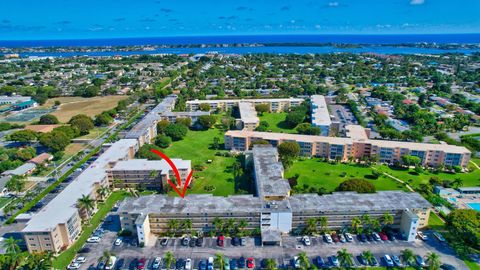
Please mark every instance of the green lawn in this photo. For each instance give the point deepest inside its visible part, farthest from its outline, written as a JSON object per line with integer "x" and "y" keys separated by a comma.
{"x": 316, "y": 173}
{"x": 469, "y": 179}
{"x": 197, "y": 147}
{"x": 276, "y": 122}
{"x": 62, "y": 261}
{"x": 434, "y": 222}
{"x": 4, "y": 201}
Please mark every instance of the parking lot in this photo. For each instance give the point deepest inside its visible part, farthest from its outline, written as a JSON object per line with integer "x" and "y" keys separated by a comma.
{"x": 343, "y": 115}
{"x": 128, "y": 254}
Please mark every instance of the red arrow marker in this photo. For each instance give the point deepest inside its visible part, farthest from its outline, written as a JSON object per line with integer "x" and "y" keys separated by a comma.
{"x": 177, "y": 174}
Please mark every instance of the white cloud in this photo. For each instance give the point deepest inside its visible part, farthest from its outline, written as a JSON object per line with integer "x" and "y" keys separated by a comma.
{"x": 333, "y": 4}
{"x": 317, "y": 26}
{"x": 417, "y": 2}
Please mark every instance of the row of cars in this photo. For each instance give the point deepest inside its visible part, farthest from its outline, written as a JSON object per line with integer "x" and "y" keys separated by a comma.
{"x": 198, "y": 241}
{"x": 347, "y": 237}
{"x": 186, "y": 264}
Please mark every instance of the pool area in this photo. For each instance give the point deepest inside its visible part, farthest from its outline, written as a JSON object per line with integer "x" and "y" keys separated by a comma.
{"x": 453, "y": 200}
{"x": 475, "y": 206}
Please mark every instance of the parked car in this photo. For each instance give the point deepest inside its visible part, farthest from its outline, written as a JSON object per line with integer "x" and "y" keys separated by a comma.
{"x": 220, "y": 240}
{"x": 362, "y": 237}
{"x": 342, "y": 238}
{"x": 369, "y": 237}
{"x": 383, "y": 236}
{"x": 210, "y": 263}
{"x": 391, "y": 236}
{"x": 118, "y": 242}
{"x": 188, "y": 264}
{"x": 376, "y": 237}
{"x": 251, "y": 263}
{"x": 233, "y": 264}
{"x": 447, "y": 267}
{"x": 335, "y": 238}
{"x": 80, "y": 259}
{"x": 296, "y": 262}
{"x": 235, "y": 241}
{"x": 328, "y": 238}
{"x": 185, "y": 241}
{"x": 202, "y": 265}
{"x": 362, "y": 260}
{"x": 388, "y": 261}
{"x": 111, "y": 263}
{"x": 422, "y": 236}
{"x": 306, "y": 240}
{"x": 180, "y": 264}
{"x": 374, "y": 262}
{"x": 334, "y": 261}
{"x": 74, "y": 265}
{"x": 243, "y": 241}
{"x": 141, "y": 264}
{"x": 319, "y": 262}
{"x": 199, "y": 242}
{"x": 157, "y": 263}
{"x": 241, "y": 262}
{"x": 193, "y": 242}
{"x": 349, "y": 237}
{"x": 93, "y": 239}
{"x": 84, "y": 250}
{"x": 226, "y": 264}
{"x": 101, "y": 264}
{"x": 439, "y": 236}
{"x": 164, "y": 242}
{"x": 397, "y": 261}
{"x": 420, "y": 261}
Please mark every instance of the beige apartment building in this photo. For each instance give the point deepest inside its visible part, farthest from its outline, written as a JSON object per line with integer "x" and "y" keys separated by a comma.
{"x": 276, "y": 104}
{"x": 357, "y": 146}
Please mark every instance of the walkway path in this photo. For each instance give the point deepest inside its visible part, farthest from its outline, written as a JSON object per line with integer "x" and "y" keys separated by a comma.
{"x": 475, "y": 164}
{"x": 400, "y": 181}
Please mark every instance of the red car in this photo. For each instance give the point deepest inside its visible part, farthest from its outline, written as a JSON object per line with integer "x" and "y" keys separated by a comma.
{"x": 335, "y": 238}
{"x": 250, "y": 263}
{"x": 220, "y": 240}
{"x": 383, "y": 236}
{"x": 141, "y": 264}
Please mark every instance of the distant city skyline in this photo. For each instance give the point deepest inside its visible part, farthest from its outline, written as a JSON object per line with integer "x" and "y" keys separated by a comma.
{"x": 55, "y": 19}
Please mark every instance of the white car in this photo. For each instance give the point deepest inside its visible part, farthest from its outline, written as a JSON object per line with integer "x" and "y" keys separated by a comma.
{"x": 118, "y": 242}
{"x": 188, "y": 264}
{"x": 306, "y": 240}
{"x": 296, "y": 262}
{"x": 80, "y": 259}
{"x": 74, "y": 265}
{"x": 157, "y": 263}
{"x": 349, "y": 237}
{"x": 328, "y": 238}
{"x": 93, "y": 239}
{"x": 422, "y": 236}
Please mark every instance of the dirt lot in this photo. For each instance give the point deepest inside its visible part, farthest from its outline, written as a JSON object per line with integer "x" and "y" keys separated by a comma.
{"x": 71, "y": 106}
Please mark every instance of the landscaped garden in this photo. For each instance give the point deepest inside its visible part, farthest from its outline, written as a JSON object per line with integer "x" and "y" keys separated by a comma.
{"x": 276, "y": 122}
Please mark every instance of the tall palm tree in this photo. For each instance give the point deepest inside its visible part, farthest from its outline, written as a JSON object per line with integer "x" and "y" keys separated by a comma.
{"x": 102, "y": 192}
{"x": 169, "y": 259}
{"x": 241, "y": 225}
{"x": 218, "y": 224}
{"x": 311, "y": 226}
{"x": 433, "y": 260}
{"x": 85, "y": 203}
{"x": 356, "y": 224}
{"x": 323, "y": 222}
{"x": 303, "y": 259}
{"x": 367, "y": 254}
{"x": 11, "y": 245}
{"x": 229, "y": 226}
{"x": 173, "y": 225}
{"x": 366, "y": 221}
{"x": 375, "y": 224}
{"x": 219, "y": 260}
{"x": 14, "y": 255}
{"x": 39, "y": 261}
{"x": 271, "y": 264}
{"x": 187, "y": 225}
{"x": 407, "y": 255}
{"x": 387, "y": 219}
{"x": 344, "y": 258}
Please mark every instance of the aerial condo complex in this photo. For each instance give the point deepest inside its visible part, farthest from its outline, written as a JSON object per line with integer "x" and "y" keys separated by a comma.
{"x": 244, "y": 135}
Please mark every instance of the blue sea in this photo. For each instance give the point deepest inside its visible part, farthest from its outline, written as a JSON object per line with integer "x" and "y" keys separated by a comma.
{"x": 369, "y": 43}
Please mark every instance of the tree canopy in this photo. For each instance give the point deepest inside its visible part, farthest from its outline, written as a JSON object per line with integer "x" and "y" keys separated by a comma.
{"x": 358, "y": 185}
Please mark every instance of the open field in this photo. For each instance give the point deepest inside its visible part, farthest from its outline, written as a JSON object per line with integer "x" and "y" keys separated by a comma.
{"x": 196, "y": 146}
{"x": 319, "y": 174}
{"x": 94, "y": 133}
{"x": 276, "y": 122}
{"x": 71, "y": 106}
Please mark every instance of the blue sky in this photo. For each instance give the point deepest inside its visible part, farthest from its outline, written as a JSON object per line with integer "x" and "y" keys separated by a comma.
{"x": 65, "y": 19}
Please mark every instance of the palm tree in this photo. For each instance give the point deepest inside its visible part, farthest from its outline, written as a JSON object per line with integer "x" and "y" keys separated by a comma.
{"x": 311, "y": 226}
{"x": 387, "y": 219}
{"x": 102, "y": 192}
{"x": 14, "y": 255}
{"x": 220, "y": 260}
{"x": 433, "y": 260}
{"x": 218, "y": 224}
{"x": 39, "y": 261}
{"x": 375, "y": 224}
{"x": 303, "y": 259}
{"x": 323, "y": 222}
{"x": 169, "y": 259}
{"x": 344, "y": 258}
{"x": 367, "y": 254}
{"x": 85, "y": 203}
{"x": 270, "y": 264}
{"x": 241, "y": 225}
{"x": 407, "y": 255}
{"x": 230, "y": 226}
{"x": 105, "y": 256}
{"x": 173, "y": 226}
{"x": 187, "y": 225}
{"x": 356, "y": 224}
{"x": 11, "y": 245}
{"x": 458, "y": 182}
{"x": 366, "y": 221}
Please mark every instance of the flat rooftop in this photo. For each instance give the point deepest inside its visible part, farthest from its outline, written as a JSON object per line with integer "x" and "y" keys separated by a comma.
{"x": 320, "y": 114}
{"x": 352, "y": 201}
{"x": 64, "y": 205}
{"x": 269, "y": 172}
{"x": 193, "y": 203}
{"x": 150, "y": 165}
{"x": 185, "y": 114}
{"x": 342, "y": 140}
{"x": 248, "y": 114}
{"x": 356, "y": 132}
{"x": 258, "y": 100}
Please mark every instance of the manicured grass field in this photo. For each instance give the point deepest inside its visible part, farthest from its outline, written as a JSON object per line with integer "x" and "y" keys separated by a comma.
{"x": 276, "y": 122}
{"x": 316, "y": 173}
{"x": 197, "y": 147}
{"x": 434, "y": 222}
{"x": 71, "y": 106}
{"x": 62, "y": 261}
